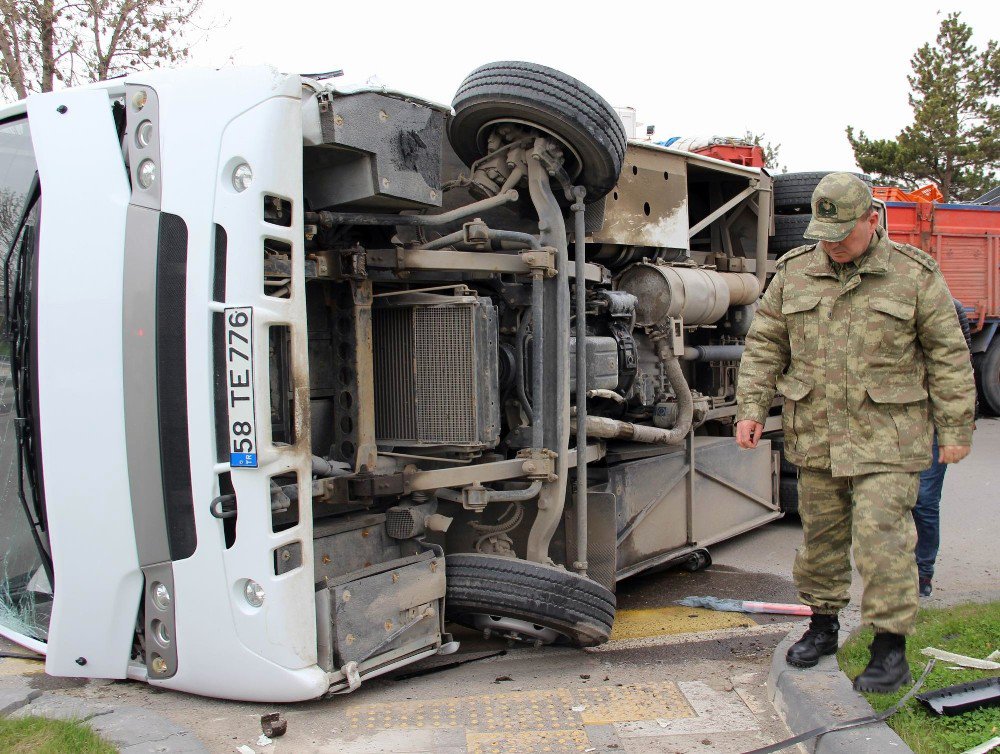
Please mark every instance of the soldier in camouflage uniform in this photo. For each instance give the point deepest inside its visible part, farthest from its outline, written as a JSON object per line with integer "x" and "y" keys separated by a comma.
{"x": 860, "y": 336}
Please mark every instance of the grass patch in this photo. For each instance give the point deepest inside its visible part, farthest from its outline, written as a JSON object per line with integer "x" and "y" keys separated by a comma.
{"x": 972, "y": 630}
{"x": 40, "y": 735}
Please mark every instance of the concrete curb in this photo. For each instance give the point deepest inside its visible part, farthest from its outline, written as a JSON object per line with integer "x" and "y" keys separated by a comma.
{"x": 823, "y": 695}
{"x": 132, "y": 730}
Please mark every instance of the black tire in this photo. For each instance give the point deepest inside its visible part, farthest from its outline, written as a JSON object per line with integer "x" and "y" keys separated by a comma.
{"x": 512, "y": 90}
{"x": 988, "y": 377}
{"x": 963, "y": 322}
{"x": 581, "y": 610}
{"x": 788, "y": 230}
{"x": 793, "y": 191}
{"x": 699, "y": 560}
{"x": 788, "y": 492}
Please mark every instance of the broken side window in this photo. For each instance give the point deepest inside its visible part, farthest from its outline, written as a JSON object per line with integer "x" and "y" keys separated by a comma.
{"x": 25, "y": 584}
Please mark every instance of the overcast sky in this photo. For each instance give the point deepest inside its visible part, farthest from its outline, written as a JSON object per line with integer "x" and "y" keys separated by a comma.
{"x": 798, "y": 72}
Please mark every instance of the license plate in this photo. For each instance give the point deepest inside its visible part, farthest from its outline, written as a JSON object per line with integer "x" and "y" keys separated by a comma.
{"x": 239, "y": 387}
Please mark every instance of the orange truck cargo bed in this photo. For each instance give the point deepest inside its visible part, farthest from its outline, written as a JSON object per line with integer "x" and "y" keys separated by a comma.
{"x": 965, "y": 241}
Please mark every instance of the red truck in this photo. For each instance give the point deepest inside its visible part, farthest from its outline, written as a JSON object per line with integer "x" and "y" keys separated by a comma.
{"x": 965, "y": 241}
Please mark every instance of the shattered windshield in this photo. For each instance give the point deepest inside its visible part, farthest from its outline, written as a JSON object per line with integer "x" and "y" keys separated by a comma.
{"x": 25, "y": 589}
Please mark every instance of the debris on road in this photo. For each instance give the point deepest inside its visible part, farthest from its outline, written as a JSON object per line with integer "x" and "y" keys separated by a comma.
{"x": 963, "y": 660}
{"x": 745, "y": 606}
{"x": 264, "y": 740}
{"x": 244, "y": 749}
{"x": 963, "y": 697}
{"x": 985, "y": 747}
{"x": 502, "y": 678}
{"x": 273, "y": 725}
{"x": 465, "y": 659}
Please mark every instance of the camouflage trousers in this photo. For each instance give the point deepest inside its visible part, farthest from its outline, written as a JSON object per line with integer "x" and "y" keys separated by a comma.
{"x": 873, "y": 511}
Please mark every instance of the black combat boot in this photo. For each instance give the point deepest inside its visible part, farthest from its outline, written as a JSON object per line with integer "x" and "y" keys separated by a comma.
{"x": 888, "y": 669}
{"x": 818, "y": 640}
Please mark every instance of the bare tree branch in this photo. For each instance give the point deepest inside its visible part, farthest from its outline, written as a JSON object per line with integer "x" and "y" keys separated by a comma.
{"x": 50, "y": 43}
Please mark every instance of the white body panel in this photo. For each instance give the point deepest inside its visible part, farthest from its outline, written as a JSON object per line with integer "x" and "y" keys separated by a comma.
{"x": 209, "y": 123}
{"x": 81, "y": 414}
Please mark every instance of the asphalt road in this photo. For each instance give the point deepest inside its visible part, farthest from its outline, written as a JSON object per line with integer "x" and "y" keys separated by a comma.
{"x": 968, "y": 565}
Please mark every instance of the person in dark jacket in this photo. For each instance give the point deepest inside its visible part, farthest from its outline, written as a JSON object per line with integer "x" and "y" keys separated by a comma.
{"x": 927, "y": 511}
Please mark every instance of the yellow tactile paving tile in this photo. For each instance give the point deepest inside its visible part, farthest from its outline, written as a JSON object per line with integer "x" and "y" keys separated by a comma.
{"x": 567, "y": 741}
{"x": 520, "y": 710}
{"x": 622, "y": 704}
{"x": 674, "y": 619}
{"x": 525, "y": 711}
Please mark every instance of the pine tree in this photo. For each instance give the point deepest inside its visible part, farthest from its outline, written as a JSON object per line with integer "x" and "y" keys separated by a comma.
{"x": 954, "y": 139}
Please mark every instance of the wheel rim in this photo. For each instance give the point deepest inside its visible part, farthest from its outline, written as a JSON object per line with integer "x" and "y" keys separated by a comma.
{"x": 516, "y": 630}
{"x": 484, "y": 131}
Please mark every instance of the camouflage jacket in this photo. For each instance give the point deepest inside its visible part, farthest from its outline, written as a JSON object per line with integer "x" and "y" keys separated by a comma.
{"x": 868, "y": 366}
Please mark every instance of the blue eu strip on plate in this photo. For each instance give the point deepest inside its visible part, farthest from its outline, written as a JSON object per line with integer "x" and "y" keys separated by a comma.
{"x": 245, "y": 460}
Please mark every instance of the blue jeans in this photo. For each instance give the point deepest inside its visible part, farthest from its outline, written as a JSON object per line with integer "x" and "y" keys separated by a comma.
{"x": 926, "y": 514}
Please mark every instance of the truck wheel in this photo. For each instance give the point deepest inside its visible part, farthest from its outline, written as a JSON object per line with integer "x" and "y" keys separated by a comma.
{"x": 698, "y": 560}
{"x": 988, "y": 377}
{"x": 788, "y": 492}
{"x": 788, "y": 230}
{"x": 793, "y": 191}
{"x": 546, "y": 98}
{"x": 527, "y": 601}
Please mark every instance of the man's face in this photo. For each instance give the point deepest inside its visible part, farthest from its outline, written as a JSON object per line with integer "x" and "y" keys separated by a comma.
{"x": 856, "y": 242}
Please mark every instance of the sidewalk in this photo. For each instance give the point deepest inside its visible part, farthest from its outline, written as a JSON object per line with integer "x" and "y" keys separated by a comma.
{"x": 133, "y": 730}
{"x": 676, "y": 692}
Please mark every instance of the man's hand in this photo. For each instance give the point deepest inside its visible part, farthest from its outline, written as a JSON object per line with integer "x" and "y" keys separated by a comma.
{"x": 952, "y": 453}
{"x": 748, "y": 433}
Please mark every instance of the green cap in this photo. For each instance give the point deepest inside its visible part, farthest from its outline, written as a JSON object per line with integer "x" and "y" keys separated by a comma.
{"x": 838, "y": 202}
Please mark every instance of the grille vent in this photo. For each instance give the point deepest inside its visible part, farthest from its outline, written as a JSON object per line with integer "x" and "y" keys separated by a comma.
{"x": 403, "y": 523}
{"x": 436, "y": 372}
{"x": 395, "y": 409}
{"x": 445, "y": 374}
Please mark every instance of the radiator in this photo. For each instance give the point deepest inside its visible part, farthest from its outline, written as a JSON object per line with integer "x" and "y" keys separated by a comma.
{"x": 436, "y": 374}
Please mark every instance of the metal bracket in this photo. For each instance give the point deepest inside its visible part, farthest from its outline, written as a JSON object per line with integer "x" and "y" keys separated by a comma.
{"x": 674, "y": 332}
{"x": 538, "y": 463}
{"x": 352, "y": 676}
{"x": 341, "y": 264}
{"x": 343, "y": 490}
{"x": 474, "y": 497}
{"x": 477, "y": 233}
{"x": 543, "y": 260}
{"x": 719, "y": 212}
